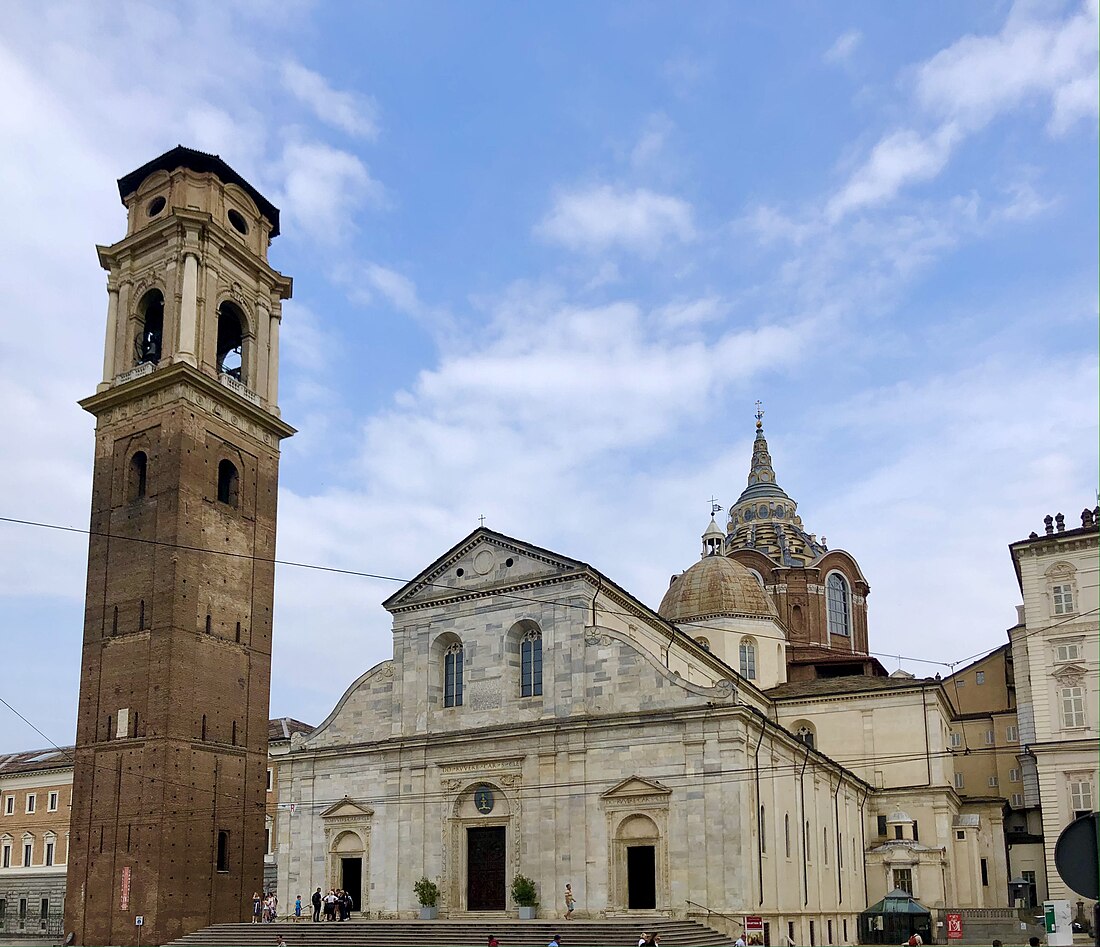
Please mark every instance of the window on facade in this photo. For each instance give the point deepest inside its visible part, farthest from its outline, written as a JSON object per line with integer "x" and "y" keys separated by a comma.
{"x": 270, "y": 779}
{"x": 1080, "y": 796}
{"x": 28, "y": 848}
{"x": 990, "y": 737}
{"x": 881, "y": 825}
{"x": 747, "y": 655}
{"x": 956, "y": 739}
{"x": 51, "y": 802}
{"x": 151, "y": 335}
{"x": 1068, "y": 652}
{"x": 1013, "y": 775}
{"x": 903, "y": 878}
{"x": 228, "y": 483}
{"x": 267, "y": 840}
{"x": 961, "y": 836}
{"x": 899, "y": 833}
{"x": 231, "y": 336}
{"x": 703, "y": 643}
{"x": 985, "y": 873}
{"x": 1063, "y": 599}
{"x": 32, "y": 799}
{"x": 762, "y": 827}
{"x": 530, "y": 662}
{"x": 1073, "y": 706}
{"x": 1017, "y": 800}
{"x": 787, "y": 834}
{"x": 3, "y": 908}
{"x": 5, "y": 855}
{"x": 806, "y": 735}
{"x": 22, "y": 909}
{"x": 44, "y": 906}
{"x": 136, "y": 479}
{"x": 839, "y": 605}
{"x": 807, "y": 845}
{"x": 1012, "y": 734}
{"x": 979, "y": 677}
{"x": 223, "y": 850}
{"x": 958, "y": 780}
{"x": 992, "y": 781}
{"x": 49, "y": 853}
{"x": 830, "y": 923}
{"x": 9, "y": 805}
{"x": 452, "y": 676}
{"x": 825, "y": 846}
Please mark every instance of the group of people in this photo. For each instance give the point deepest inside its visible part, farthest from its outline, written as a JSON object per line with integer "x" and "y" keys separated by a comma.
{"x": 649, "y": 939}
{"x": 337, "y": 905}
{"x": 265, "y": 907}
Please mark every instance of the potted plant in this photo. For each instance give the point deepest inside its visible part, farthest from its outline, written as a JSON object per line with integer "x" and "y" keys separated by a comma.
{"x": 525, "y": 895}
{"x": 427, "y": 893}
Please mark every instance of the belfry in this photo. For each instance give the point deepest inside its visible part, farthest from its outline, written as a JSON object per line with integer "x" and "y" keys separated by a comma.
{"x": 171, "y": 753}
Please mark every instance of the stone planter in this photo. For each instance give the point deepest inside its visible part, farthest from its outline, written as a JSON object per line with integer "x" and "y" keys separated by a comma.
{"x": 428, "y": 912}
{"x": 528, "y": 912}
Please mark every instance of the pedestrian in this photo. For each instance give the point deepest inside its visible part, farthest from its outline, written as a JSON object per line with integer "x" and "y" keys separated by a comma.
{"x": 316, "y": 902}
{"x": 330, "y": 905}
{"x": 643, "y": 939}
{"x": 570, "y": 902}
{"x": 740, "y": 942}
{"x": 555, "y": 941}
{"x": 279, "y": 941}
{"x": 915, "y": 940}
{"x": 298, "y": 908}
{"x": 493, "y": 942}
{"x": 257, "y": 904}
{"x": 1033, "y": 942}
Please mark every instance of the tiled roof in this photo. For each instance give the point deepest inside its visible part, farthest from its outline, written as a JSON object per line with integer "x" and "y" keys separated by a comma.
{"x": 853, "y": 684}
{"x": 281, "y": 728}
{"x": 32, "y": 761}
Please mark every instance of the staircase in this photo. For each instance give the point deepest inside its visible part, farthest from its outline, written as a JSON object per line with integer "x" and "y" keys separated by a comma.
{"x": 473, "y": 933}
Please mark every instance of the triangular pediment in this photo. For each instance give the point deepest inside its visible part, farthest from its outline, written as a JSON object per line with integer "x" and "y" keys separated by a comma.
{"x": 347, "y": 808}
{"x": 483, "y": 561}
{"x": 1070, "y": 675}
{"x": 636, "y": 786}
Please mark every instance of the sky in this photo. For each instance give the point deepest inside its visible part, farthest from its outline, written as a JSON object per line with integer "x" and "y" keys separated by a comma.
{"x": 546, "y": 258}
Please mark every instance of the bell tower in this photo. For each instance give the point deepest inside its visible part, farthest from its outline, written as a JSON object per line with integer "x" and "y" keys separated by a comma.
{"x": 171, "y": 749}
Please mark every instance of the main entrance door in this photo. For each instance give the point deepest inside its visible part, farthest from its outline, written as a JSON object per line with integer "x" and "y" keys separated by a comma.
{"x": 641, "y": 877}
{"x": 485, "y": 869}
{"x": 351, "y": 880}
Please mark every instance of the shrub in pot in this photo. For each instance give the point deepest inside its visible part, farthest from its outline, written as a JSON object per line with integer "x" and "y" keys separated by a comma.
{"x": 427, "y": 893}
{"x": 525, "y": 895}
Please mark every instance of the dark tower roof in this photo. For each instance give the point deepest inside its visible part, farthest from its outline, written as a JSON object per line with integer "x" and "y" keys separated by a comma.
{"x": 200, "y": 161}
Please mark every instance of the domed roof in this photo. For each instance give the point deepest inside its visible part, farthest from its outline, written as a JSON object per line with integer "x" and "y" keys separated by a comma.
{"x": 716, "y": 585}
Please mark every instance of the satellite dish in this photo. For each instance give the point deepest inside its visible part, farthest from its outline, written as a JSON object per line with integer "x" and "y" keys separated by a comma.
{"x": 1075, "y": 856}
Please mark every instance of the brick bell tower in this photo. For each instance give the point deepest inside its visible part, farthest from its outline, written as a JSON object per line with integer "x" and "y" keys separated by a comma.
{"x": 171, "y": 748}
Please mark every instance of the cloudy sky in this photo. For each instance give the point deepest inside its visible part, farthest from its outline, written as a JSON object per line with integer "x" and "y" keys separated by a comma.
{"x": 546, "y": 257}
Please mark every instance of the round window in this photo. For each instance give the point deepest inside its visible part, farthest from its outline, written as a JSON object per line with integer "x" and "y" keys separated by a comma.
{"x": 156, "y": 205}
{"x": 238, "y": 221}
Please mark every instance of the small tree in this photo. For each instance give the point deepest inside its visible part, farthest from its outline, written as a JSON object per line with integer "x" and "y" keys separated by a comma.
{"x": 524, "y": 893}
{"x": 427, "y": 892}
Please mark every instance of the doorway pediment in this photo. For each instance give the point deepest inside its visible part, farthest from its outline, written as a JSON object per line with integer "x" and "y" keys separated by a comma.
{"x": 634, "y": 787}
{"x": 347, "y": 808}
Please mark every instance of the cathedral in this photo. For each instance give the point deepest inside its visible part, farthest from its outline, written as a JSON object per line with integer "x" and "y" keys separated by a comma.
{"x": 736, "y": 751}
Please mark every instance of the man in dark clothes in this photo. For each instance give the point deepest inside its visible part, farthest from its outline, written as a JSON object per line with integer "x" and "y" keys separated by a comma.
{"x": 316, "y": 900}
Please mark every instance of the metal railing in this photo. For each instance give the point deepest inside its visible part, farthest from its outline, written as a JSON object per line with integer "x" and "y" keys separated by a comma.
{"x": 46, "y": 928}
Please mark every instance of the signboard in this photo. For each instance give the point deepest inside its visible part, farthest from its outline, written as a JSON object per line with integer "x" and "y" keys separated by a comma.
{"x": 954, "y": 926}
{"x": 754, "y": 924}
{"x": 1075, "y": 856}
{"x": 124, "y": 891}
{"x": 139, "y": 921}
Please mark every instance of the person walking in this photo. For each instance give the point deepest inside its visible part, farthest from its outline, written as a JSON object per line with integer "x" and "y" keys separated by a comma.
{"x": 316, "y": 902}
{"x": 555, "y": 941}
{"x": 740, "y": 942}
{"x": 298, "y": 908}
{"x": 257, "y": 904}
{"x": 570, "y": 902}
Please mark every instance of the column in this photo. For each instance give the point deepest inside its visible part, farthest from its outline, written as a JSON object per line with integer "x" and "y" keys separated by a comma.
{"x": 273, "y": 364}
{"x": 189, "y": 309}
{"x": 111, "y": 340}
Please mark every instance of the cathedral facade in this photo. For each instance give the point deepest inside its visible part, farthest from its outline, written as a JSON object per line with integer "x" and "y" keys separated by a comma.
{"x": 717, "y": 755}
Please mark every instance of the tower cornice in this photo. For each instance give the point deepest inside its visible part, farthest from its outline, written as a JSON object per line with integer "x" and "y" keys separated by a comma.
{"x": 182, "y": 375}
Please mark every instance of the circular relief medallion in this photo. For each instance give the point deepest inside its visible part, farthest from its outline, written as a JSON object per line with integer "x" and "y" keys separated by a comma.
{"x": 483, "y": 800}
{"x": 483, "y": 561}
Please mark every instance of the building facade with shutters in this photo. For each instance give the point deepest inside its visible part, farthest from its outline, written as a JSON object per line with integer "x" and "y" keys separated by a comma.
{"x": 1056, "y": 655}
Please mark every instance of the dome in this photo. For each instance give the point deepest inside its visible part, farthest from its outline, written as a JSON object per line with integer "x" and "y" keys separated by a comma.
{"x": 716, "y": 585}
{"x": 899, "y": 817}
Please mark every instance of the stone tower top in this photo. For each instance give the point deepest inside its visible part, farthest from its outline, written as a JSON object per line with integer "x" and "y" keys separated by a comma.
{"x": 190, "y": 282}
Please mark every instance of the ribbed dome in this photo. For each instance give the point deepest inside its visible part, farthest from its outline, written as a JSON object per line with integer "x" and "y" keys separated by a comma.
{"x": 716, "y": 585}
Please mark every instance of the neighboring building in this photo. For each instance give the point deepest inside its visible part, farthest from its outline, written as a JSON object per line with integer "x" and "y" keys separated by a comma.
{"x": 985, "y": 741}
{"x": 35, "y": 799}
{"x": 1057, "y": 670}
{"x": 537, "y": 718}
{"x": 171, "y": 743}
{"x": 39, "y": 785}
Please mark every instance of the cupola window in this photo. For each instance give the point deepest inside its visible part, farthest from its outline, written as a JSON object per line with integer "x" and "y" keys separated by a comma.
{"x": 747, "y": 655}
{"x": 839, "y": 605}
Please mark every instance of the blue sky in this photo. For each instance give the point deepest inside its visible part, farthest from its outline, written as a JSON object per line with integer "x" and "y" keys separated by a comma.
{"x": 546, "y": 258}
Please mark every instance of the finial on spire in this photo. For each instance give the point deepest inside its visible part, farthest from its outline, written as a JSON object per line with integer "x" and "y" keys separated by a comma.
{"x": 481, "y": 520}
{"x": 759, "y": 414}
{"x": 715, "y": 506}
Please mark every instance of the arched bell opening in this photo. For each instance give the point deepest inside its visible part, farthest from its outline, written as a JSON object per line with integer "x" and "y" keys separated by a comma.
{"x": 149, "y": 344}
{"x": 232, "y": 351}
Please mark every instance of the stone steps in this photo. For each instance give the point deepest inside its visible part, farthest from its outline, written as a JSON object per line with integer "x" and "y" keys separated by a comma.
{"x": 446, "y": 933}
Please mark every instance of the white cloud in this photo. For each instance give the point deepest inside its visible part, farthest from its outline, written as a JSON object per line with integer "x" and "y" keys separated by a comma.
{"x": 844, "y": 46}
{"x": 323, "y": 187}
{"x": 651, "y": 142}
{"x": 602, "y": 217}
{"x": 900, "y": 158}
{"x": 354, "y": 114}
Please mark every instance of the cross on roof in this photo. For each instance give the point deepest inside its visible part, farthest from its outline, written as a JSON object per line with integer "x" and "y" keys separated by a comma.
{"x": 481, "y": 519}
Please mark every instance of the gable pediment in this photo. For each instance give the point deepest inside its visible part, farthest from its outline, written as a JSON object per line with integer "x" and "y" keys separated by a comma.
{"x": 1071, "y": 675}
{"x": 482, "y": 562}
{"x": 347, "y": 808}
{"x": 635, "y": 786}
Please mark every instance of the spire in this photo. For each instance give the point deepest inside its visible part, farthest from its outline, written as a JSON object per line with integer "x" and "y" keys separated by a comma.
{"x": 761, "y": 473}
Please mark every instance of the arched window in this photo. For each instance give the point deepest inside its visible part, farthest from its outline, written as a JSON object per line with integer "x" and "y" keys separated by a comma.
{"x": 747, "y": 654}
{"x": 150, "y": 338}
{"x": 452, "y": 676}
{"x": 231, "y": 341}
{"x": 806, "y": 734}
{"x": 839, "y": 605}
{"x": 530, "y": 664}
{"x": 228, "y": 483}
{"x": 136, "y": 481}
{"x": 703, "y": 643}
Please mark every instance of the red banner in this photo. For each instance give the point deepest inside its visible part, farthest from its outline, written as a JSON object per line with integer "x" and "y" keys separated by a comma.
{"x": 954, "y": 926}
{"x": 124, "y": 900}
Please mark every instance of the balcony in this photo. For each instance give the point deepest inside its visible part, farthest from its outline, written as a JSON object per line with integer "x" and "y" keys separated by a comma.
{"x": 239, "y": 388}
